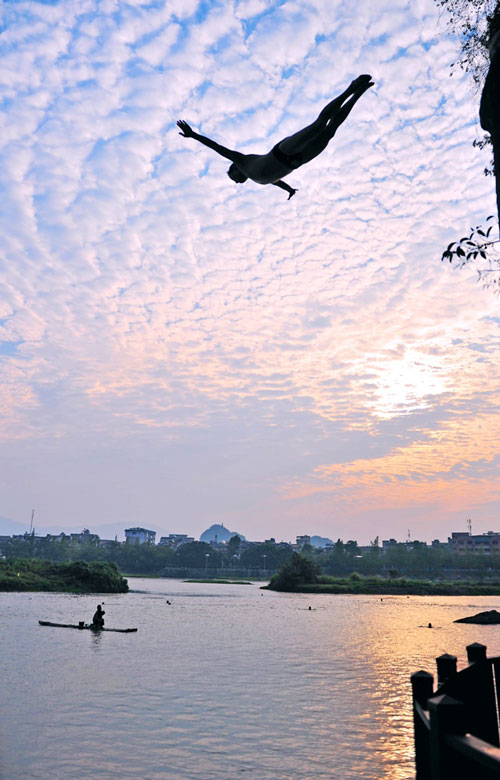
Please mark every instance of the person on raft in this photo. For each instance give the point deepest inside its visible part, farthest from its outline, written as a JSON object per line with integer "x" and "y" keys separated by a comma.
{"x": 98, "y": 619}
{"x": 293, "y": 151}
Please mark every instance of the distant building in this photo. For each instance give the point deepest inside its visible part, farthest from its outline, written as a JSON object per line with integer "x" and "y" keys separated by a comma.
{"x": 175, "y": 540}
{"x": 108, "y": 542}
{"x": 388, "y": 544}
{"x": 141, "y": 535}
{"x": 27, "y": 536}
{"x": 84, "y": 537}
{"x": 485, "y": 544}
{"x": 322, "y": 542}
{"x": 300, "y": 541}
{"x": 4, "y": 540}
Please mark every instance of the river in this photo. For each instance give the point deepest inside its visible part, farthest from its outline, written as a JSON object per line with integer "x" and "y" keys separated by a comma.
{"x": 225, "y": 682}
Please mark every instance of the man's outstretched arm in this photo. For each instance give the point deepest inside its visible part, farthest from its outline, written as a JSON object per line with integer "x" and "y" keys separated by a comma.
{"x": 188, "y": 132}
{"x": 284, "y": 186}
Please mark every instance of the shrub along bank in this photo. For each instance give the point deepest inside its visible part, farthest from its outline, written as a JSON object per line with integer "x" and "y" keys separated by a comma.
{"x": 75, "y": 577}
{"x": 398, "y": 586}
{"x": 300, "y": 575}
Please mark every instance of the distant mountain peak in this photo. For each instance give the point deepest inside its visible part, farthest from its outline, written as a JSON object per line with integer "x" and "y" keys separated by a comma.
{"x": 218, "y": 532}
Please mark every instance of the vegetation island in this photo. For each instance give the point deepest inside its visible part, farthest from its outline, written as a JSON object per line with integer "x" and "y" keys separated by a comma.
{"x": 302, "y": 575}
{"x": 75, "y": 577}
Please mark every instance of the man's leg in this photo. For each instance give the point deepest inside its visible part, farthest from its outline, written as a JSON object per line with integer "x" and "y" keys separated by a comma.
{"x": 334, "y": 107}
{"x": 336, "y": 120}
{"x": 311, "y": 141}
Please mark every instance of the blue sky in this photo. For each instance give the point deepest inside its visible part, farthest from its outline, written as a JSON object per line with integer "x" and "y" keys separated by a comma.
{"x": 178, "y": 350}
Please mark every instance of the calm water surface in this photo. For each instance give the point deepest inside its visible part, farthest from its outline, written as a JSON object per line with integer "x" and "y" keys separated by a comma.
{"x": 227, "y": 682}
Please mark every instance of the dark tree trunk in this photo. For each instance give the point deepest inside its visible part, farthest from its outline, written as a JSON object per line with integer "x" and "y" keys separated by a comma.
{"x": 489, "y": 112}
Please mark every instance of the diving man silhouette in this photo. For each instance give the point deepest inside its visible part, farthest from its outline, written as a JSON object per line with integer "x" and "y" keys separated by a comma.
{"x": 293, "y": 151}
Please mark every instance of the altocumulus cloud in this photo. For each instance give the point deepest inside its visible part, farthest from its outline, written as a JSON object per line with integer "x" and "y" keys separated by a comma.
{"x": 271, "y": 364}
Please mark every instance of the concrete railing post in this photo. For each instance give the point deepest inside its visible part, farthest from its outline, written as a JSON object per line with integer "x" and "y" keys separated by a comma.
{"x": 476, "y": 652}
{"x": 447, "y": 717}
{"x": 446, "y": 667}
{"x": 422, "y": 684}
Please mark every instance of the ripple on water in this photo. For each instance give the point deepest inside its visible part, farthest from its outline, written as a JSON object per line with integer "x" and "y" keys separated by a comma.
{"x": 225, "y": 682}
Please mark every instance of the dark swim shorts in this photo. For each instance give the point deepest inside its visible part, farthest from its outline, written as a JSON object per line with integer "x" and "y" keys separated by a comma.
{"x": 291, "y": 161}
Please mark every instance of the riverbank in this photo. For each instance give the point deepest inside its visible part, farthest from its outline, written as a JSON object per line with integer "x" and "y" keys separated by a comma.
{"x": 400, "y": 586}
{"x": 221, "y": 582}
{"x": 76, "y": 577}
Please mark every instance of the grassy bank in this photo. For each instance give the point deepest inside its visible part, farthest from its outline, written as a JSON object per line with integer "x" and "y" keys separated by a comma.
{"x": 357, "y": 584}
{"x": 142, "y": 576}
{"x": 76, "y": 577}
{"x": 222, "y": 582}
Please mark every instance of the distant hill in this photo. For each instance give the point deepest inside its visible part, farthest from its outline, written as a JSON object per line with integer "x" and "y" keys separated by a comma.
{"x": 105, "y": 531}
{"x": 9, "y": 527}
{"x": 320, "y": 541}
{"x": 219, "y": 533}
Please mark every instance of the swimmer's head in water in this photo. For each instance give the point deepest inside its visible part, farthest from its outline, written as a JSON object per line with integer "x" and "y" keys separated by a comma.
{"x": 235, "y": 174}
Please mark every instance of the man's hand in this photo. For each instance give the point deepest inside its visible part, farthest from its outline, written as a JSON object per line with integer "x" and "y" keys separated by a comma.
{"x": 284, "y": 186}
{"x": 185, "y": 129}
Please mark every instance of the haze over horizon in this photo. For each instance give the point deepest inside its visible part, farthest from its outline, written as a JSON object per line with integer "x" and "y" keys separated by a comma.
{"x": 177, "y": 350}
{"x": 112, "y": 530}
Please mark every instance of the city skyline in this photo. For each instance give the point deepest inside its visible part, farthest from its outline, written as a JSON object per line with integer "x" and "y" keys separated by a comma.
{"x": 175, "y": 345}
{"x": 115, "y": 530}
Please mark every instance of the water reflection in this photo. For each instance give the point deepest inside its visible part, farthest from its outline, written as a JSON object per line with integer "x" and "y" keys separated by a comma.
{"x": 224, "y": 681}
{"x": 97, "y": 637}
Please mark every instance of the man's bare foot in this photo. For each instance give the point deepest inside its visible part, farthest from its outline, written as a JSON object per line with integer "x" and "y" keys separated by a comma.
{"x": 361, "y": 80}
{"x": 363, "y": 86}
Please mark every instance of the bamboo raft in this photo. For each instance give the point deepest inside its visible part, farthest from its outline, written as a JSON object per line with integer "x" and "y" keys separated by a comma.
{"x": 81, "y": 626}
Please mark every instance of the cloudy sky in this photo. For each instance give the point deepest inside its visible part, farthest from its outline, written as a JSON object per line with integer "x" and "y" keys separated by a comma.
{"x": 178, "y": 350}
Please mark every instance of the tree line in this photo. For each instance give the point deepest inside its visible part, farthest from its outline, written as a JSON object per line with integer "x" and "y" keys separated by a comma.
{"x": 343, "y": 559}
{"x": 135, "y": 558}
